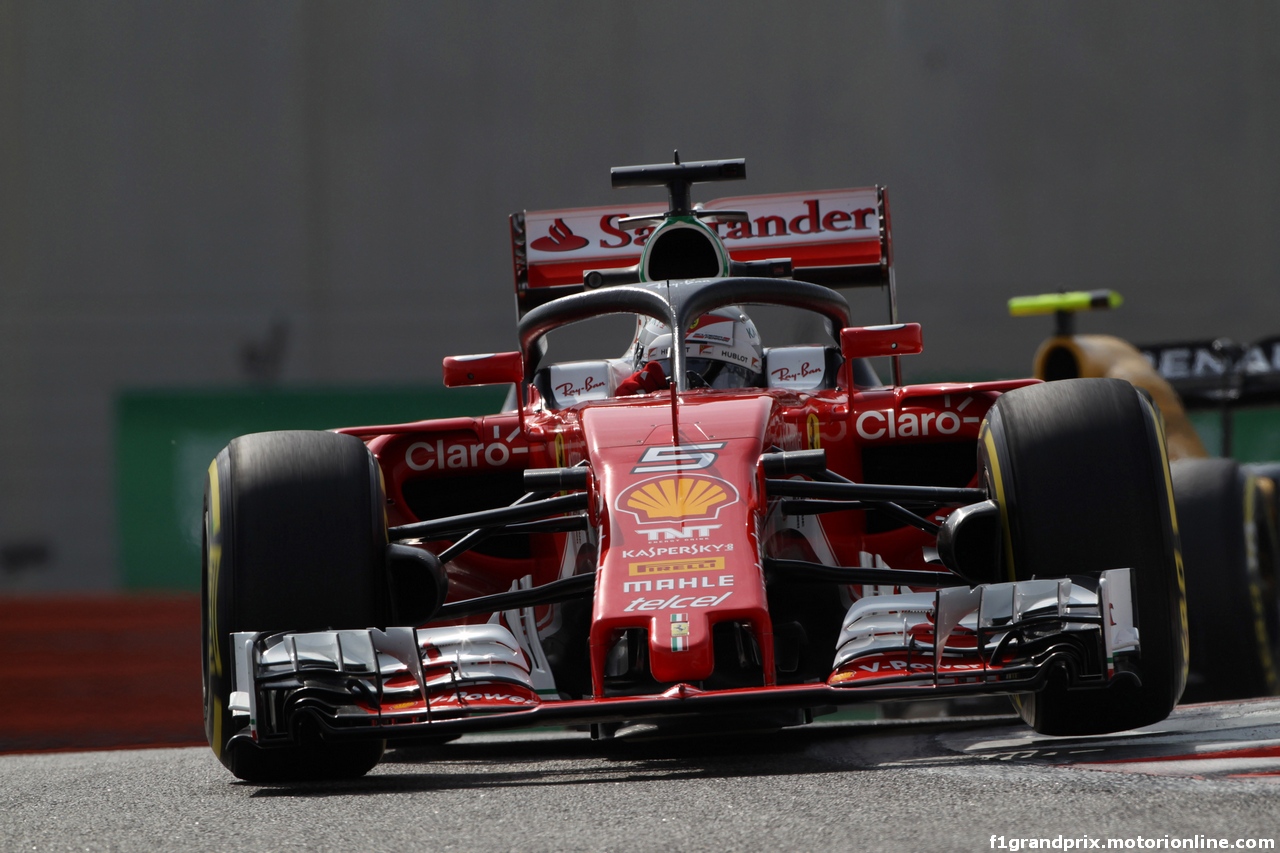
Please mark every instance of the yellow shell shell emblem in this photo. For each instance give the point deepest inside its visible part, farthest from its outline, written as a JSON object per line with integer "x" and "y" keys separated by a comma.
{"x": 676, "y": 498}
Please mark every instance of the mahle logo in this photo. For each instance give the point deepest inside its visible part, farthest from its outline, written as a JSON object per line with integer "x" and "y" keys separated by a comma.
{"x": 666, "y": 499}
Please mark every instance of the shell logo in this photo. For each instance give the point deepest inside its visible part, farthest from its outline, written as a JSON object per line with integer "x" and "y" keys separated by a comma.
{"x": 681, "y": 497}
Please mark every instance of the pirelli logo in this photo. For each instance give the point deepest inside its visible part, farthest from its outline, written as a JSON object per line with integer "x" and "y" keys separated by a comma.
{"x": 669, "y": 567}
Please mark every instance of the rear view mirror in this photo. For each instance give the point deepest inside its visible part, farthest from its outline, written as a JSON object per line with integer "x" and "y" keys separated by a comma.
{"x": 495, "y": 368}
{"x": 877, "y": 341}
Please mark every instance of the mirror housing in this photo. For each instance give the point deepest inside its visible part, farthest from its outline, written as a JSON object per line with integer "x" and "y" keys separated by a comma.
{"x": 495, "y": 368}
{"x": 878, "y": 341}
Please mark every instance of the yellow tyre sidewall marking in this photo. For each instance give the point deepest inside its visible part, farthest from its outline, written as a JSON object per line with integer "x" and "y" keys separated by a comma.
{"x": 997, "y": 481}
{"x": 988, "y": 440}
{"x": 1184, "y": 633}
{"x": 1260, "y": 633}
{"x": 215, "y": 564}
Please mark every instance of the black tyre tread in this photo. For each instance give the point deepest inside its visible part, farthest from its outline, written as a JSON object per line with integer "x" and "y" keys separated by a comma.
{"x": 1267, "y": 519}
{"x": 1270, "y": 470}
{"x": 301, "y": 527}
{"x": 303, "y": 544}
{"x": 1085, "y": 489}
{"x": 1232, "y": 652}
{"x": 1266, "y": 514}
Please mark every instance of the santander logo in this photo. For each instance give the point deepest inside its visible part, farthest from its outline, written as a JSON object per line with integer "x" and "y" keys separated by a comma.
{"x": 559, "y": 239}
{"x": 811, "y": 222}
{"x": 787, "y": 219}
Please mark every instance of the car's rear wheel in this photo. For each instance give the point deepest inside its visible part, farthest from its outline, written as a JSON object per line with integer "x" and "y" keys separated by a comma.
{"x": 295, "y": 540}
{"x": 1231, "y": 610}
{"x": 1080, "y": 472}
{"x": 1266, "y": 520}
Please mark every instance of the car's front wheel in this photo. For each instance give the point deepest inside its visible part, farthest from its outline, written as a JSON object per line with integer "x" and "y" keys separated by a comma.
{"x": 1079, "y": 469}
{"x": 295, "y": 540}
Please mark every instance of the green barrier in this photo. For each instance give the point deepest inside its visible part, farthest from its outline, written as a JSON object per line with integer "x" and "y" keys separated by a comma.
{"x": 165, "y": 441}
{"x": 1255, "y": 432}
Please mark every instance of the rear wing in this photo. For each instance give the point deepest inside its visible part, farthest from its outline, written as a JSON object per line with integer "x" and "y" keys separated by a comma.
{"x": 833, "y": 237}
{"x": 1209, "y": 374}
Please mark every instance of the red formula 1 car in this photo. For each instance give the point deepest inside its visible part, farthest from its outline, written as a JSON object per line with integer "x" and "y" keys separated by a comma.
{"x": 704, "y": 533}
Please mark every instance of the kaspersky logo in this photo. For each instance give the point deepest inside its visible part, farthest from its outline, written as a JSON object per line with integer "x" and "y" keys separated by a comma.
{"x": 690, "y": 497}
{"x": 560, "y": 238}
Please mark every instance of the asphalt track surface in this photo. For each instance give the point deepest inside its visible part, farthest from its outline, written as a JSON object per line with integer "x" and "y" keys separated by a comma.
{"x": 1209, "y": 771}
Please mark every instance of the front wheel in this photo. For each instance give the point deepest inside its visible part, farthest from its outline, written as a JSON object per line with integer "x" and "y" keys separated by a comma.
{"x": 1080, "y": 472}
{"x": 295, "y": 540}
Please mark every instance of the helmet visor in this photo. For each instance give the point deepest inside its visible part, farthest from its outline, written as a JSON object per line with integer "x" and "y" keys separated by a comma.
{"x": 715, "y": 373}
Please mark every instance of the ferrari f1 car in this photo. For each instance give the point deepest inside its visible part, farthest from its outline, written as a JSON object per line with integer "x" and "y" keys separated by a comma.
{"x": 705, "y": 533}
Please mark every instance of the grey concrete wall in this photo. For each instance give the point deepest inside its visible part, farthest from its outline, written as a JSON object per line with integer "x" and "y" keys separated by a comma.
{"x": 185, "y": 184}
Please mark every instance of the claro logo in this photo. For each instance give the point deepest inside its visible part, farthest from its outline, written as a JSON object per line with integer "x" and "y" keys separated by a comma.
{"x": 443, "y": 454}
{"x": 894, "y": 424}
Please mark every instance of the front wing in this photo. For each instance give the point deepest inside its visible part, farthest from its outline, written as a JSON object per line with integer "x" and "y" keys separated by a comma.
{"x": 406, "y": 682}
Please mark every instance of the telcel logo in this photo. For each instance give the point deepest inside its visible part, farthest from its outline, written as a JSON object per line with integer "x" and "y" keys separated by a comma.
{"x": 675, "y": 602}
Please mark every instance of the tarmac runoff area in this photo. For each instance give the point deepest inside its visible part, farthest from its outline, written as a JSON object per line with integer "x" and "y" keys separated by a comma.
{"x": 1210, "y": 772}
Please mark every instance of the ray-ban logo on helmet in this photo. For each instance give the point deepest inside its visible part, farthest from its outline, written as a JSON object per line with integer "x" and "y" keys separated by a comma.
{"x": 682, "y": 457}
{"x": 690, "y": 497}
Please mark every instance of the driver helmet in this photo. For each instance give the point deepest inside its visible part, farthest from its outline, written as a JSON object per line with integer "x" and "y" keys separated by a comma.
{"x": 722, "y": 349}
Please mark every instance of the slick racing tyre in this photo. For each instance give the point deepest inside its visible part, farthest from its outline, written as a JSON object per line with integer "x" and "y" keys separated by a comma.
{"x": 1266, "y": 519}
{"x": 1080, "y": 472}
{"x": 295, "y": 540}
{"x": 1231, "y": 610}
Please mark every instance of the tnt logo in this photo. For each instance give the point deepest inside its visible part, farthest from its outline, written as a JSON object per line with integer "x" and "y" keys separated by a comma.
{"x": 693, "y": 531}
